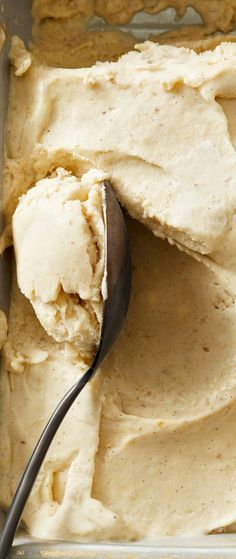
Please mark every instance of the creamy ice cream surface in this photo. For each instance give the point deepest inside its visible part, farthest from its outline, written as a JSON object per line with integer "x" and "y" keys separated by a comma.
{"x": 157, "y": 174}
{"x": 58, "y": 232}
{"x": 148, "y": 449}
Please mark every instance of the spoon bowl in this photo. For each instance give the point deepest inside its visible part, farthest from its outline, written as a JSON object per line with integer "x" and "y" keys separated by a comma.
{"x": 117, "y": 280}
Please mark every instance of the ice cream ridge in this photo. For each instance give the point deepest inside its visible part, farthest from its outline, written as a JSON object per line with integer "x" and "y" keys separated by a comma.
{"x": 148, "y": 449}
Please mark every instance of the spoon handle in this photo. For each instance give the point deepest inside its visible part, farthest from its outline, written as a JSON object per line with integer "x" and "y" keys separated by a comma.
{"x": 31, "y": 471}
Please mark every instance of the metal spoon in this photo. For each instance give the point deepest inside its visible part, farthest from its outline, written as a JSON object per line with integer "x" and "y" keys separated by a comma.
{"x": 118, "y": 280}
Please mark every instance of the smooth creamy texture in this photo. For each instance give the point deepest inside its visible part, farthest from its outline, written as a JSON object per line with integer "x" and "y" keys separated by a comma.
{"x": 149, "y": 447}
{"x": 58, "y": 233}
{"x": 147, "y": 416}
{"x": 158, "y": 174}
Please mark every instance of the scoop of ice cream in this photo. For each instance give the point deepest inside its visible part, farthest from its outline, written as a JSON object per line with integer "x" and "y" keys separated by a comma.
{"x": 58, "y": 232}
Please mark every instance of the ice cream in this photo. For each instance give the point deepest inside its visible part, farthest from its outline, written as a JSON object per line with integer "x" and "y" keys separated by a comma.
{"x": 64, "y": 34}
{"x": 157, "y": 174}
{"x": 148, "y": 449}
{"x": 58, "y": 232}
